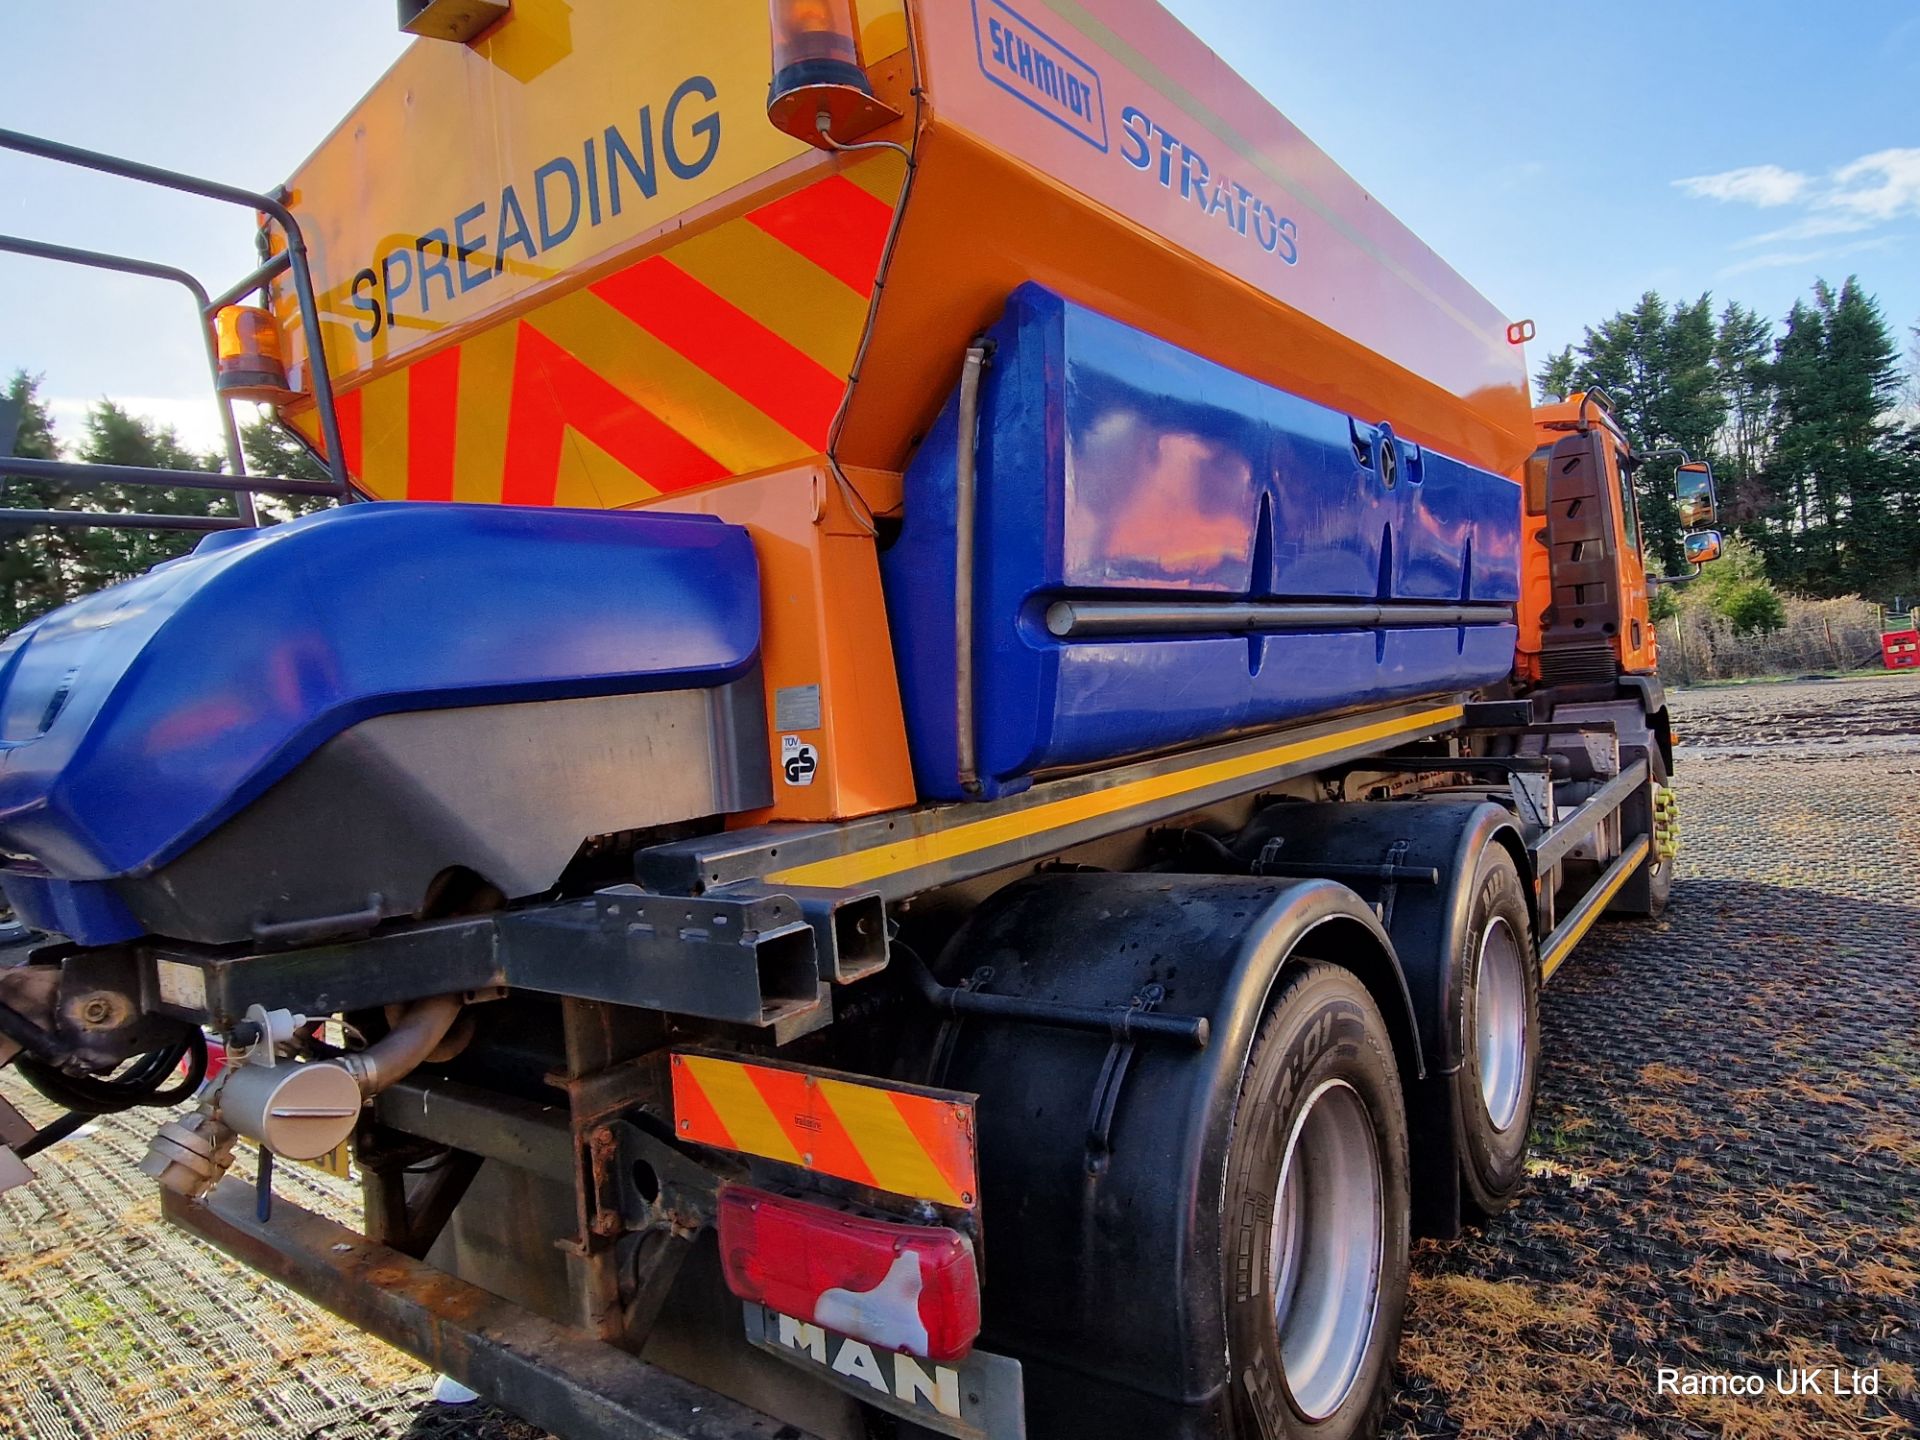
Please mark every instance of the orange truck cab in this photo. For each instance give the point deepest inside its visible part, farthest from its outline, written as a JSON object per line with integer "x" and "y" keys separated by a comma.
{"x": 1583, "y": 612}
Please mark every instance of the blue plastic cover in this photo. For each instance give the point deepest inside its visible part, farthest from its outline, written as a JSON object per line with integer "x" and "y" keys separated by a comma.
{"x": 135, "y": 721}
{"x": 1114, "y": 465}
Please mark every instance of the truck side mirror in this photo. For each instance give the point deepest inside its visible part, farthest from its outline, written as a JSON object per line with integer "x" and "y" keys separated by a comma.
{"x": 1693, "y": 488}
{"x": 1703, "y": 547}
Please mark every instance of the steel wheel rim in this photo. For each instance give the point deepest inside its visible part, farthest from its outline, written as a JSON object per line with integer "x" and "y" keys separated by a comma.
{"x": 1500, "y": 988}
{"x": 1326, "y": 1249}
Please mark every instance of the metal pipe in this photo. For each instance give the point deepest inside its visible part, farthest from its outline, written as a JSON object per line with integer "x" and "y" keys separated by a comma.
{"x": 317, "y": 359}
{"x": 1557, "y": 842}
{"x": 1122, "y": 1022}
{"x": 397, "y": 1054}
{"x": 1557, "y": 946}
{"x": 155, "y": 476}
{"x": 128, "y": 265}
{"x": 115, "y": 520}
{"x": 261, "y": 277}
{"x": 63, "y": 154}
{"x": 965, "y": 493}
{"x": 1071, "y": 619}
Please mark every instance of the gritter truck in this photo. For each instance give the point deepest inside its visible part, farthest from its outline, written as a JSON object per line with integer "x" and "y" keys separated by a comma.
{"x": 943, "y": 714}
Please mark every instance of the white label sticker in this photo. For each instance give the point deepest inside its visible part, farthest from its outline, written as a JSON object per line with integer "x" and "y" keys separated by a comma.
{"x": 799, "y": 762}
{"x": 182, "y": 985}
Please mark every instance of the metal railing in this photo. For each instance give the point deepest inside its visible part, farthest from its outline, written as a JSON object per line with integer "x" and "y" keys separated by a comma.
{"x": 290, "y": 260}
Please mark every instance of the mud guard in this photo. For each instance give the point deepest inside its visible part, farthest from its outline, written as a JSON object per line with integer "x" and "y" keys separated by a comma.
{"x": 1102, "y": 1161}
{"x": 1427, "y": 923}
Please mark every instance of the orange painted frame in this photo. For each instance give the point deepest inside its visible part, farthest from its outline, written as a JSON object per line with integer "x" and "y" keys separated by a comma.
{"x": 824, "y": 623}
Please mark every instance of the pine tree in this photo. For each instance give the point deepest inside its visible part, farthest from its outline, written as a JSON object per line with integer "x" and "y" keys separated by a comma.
{"x": 1743, "y": 356}
{"x": 1555, "y": 378}
{"x": 1846, "y": 486}
{"x": 1658, "y": 368}
{"x": 35, "y": 563}
{"x": 115, "y": 436}
{"x": 273, "y": 450}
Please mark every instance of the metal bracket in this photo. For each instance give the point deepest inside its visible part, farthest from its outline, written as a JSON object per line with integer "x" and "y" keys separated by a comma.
{"x": 1113, "y": 1076}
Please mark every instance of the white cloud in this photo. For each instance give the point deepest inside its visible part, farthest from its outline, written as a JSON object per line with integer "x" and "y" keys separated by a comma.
{"x": 1880, "y": 186}
{"x": 1860, "y": 195}
{"x": 1765, "y": 185}
{"x": 1774, "y": 259}
{"x": 1814, "y": 227}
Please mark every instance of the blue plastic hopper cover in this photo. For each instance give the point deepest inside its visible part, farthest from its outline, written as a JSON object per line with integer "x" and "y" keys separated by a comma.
{"x": 135, "y": 721}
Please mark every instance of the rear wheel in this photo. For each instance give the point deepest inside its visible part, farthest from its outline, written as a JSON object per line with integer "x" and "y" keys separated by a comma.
{"x": 1317, "y": 1209}
{"x": 1646, "y": 894}
{"x": 1493, "y": 1087}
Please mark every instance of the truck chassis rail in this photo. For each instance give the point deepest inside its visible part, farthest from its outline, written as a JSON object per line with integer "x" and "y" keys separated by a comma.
{"x": 552, "y": 1376}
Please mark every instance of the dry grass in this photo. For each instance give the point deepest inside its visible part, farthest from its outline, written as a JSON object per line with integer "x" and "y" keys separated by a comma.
{"x": 1661, "y": 1119}
{"x": 1662, "y": 1076}
{"x": 1510, "y": 1356}
{"x": 1888, "y": 1138}
{"x": 1821, "y": 1416}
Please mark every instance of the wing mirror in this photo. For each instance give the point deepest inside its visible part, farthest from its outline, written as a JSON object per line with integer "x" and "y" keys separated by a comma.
{"x": 1703, "y": 547}
{"x": 1693, "y": 488}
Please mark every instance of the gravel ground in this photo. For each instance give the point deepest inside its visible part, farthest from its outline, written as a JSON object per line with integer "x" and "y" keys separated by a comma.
{"x": 1727, "y": 1171}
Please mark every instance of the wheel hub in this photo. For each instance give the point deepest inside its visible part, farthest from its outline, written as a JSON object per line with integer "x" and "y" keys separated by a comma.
{"x": 1326, "y": 1250}
{"x": 1501, "y": 1023}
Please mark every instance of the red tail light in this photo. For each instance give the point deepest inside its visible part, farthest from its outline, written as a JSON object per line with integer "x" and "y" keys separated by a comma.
{"x": 900, "y": 1287}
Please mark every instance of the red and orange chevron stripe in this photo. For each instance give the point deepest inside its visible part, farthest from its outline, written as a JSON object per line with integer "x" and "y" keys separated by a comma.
{"x": 914, "y": 1143}
{"x": 724, "y": 354}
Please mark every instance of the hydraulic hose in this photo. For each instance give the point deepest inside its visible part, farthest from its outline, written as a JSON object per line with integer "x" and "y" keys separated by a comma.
{"x": 31, "y": 1038}
{"x": 143, "y": 1084}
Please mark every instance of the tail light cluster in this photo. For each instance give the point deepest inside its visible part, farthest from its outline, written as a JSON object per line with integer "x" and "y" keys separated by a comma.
{"x": 911, "y": 1288}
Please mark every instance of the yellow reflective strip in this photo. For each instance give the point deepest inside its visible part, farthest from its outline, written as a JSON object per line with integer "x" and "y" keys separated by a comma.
{"x": 485, "y": 396}
{"x": 893, "y": 1153}
{"x": 1557, "y": 956}
{"x": 672, "y": 387}
{"x": 782, "y": 289}
{"x": 591, "y": 479}
{"x": 883, "y": 29}
{"x": 965, "y": 839}
{"x": 741, "y": 1108}
{"x": 383, "y": 436}
{"x": 880, "y": 177}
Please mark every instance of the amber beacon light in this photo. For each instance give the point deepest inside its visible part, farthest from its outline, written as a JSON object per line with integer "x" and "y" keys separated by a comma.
{"x": 820, "y": 94}
{"x": 252, "y": 363}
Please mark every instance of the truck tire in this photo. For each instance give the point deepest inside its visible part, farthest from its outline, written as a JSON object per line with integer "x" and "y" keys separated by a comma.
{"x": 1645, "y": 896}
{"x": 1317, "y": 1201}
{"x": 1494, "y": 1085}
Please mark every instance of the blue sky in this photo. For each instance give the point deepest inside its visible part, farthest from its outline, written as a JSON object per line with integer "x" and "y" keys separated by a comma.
{"x": 1563, "y": 158}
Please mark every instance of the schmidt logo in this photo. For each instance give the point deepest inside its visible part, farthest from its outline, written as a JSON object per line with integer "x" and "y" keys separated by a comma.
{"x": 1027, "y": 62}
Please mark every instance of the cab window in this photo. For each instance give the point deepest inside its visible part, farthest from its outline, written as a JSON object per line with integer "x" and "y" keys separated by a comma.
{"x": 1537, "y": 480}
{"x": 1629, "y": 512}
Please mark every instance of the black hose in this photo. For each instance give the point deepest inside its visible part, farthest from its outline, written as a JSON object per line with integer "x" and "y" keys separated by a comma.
{"x": 142, "y": 1084}
{"x": 47, "y": 1049}
{"x": 52, "y": 1133}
